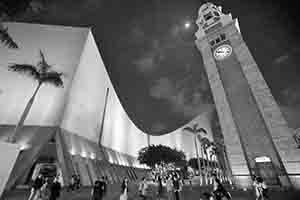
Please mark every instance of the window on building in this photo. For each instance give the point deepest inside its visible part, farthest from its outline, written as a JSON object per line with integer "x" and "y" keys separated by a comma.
{"x": 216, "y": 14}
{"x": 212, "y": 43}
{"x": 208, "y": 16}
{"x": 223, "y": 36}
{"x": 218, "y": 40}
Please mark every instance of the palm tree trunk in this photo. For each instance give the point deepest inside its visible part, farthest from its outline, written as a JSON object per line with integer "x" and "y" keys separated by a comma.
{"x": 207, "y": 166}
{"x": 12, "y": 137}
{"x": 218, "y": 165}
{"x": 148, "y": 140}
{"x": 212, "y": 162}
{"x": 204, "y": 165}
{"x": 198, "y": 159}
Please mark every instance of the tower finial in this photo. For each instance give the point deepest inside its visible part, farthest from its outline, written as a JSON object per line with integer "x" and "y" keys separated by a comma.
{"x": 210, "y": 17}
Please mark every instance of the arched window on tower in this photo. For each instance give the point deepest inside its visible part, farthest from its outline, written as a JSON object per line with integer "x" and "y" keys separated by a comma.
{"x": 208, "y": 16}
{"x": 297, "y": 137}
{"x": 216, "y": 14}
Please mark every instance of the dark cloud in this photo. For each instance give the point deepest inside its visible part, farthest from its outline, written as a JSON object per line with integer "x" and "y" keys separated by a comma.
{"x": 37, "y": 6}
{"x": 184, "y": 99}
{"x": 163, "y": 89}
{"x": 158, "y": 127}
{"x": 152, "y": 59}
{"x": 291, "y": 96}
{"x": 146, "y": 63}
{"x": 281, "y": 59}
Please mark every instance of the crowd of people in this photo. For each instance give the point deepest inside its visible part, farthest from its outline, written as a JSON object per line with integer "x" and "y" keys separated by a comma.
{"x": 75, "y": 183}
{"x": 45, "y": 188}
{"x": 170, "y": 186}
{"x": 172, "y": 181}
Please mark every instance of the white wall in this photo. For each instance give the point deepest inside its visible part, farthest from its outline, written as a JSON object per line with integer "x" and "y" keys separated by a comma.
{"x": 74, "y": 52}
{"x": 8, "y": 157}
{"x": 84, "y": 110}
{"x": 61, "y": 46}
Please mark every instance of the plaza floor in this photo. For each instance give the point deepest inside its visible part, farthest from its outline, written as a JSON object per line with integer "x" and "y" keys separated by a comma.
{"x": 189, "y": 193}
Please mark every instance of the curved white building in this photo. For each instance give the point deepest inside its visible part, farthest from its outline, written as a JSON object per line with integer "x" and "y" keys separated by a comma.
{"x": 77, "y": 118}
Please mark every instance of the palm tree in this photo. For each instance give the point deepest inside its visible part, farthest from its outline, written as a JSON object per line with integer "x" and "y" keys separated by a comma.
{"x": 205, "y": 144}
{"x": 213, "y": 152}
{"x": 42, "y": 73}
{"x": 197, "y": 134}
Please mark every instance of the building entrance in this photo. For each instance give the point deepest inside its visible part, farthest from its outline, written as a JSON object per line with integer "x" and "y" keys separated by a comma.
{"x": 266, "y": 169}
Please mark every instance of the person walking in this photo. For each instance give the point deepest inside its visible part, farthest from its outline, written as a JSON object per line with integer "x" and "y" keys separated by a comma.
{"x": 261, "y": 189}
{"x": 72, "y": 183}
{"x": 55, "y": 189}
{"x": 103, "y": 186}
{"x": 160, "y": 188}
{"x": 37, "y": 184}
{"x": 124, "y": 190}
{"x": 143, "y": 188}
{"x": 218, "y": 189}
{"x": 106, "y": 181}
{"x": 45, "y": 190}
{"x": 169, "y": 186}
{"x": 177, "y": 187}
{"x": 95, "y": 193}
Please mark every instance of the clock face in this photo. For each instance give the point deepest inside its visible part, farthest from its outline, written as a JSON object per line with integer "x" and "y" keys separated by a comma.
{"x": 222, "y": 52}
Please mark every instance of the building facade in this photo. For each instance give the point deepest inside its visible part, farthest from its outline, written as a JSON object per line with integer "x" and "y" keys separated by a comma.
{"x": 257, "y": 138}
{"x": 81, "y": 128}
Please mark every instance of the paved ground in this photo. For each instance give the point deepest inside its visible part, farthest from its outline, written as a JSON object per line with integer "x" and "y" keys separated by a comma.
{"x": 188, "y": 193}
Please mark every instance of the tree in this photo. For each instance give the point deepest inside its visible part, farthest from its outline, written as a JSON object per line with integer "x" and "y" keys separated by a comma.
{"x": 156, "y": 154}
{"x": 13, "y": 8}
{"x": 205, "y": 143}
{"x": 197, "y": 134}
{"x": 212, "y": 152}
{"x": 41, "y": 73}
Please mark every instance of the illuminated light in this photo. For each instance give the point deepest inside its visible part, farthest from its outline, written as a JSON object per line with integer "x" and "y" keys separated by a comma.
{"x": 262, "y": 159}
{"x": 72, "y": 152}
{"x": 24, "y": 147}
{"x": 83, "y": 154}
{"x": 93, "y": 156}
{"x": 187, "y": 24}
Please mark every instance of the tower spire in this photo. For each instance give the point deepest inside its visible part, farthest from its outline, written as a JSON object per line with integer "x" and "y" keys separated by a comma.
{"x": 210, "y": 18}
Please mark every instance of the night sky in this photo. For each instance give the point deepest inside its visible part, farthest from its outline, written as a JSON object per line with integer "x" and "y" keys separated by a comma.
{"x": 153, "y": 61}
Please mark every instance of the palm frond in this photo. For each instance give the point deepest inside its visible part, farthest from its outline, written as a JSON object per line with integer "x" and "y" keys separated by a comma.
{"x": 42, "y": 64}
{"x": 201, "y": 130}
{"x": 188, "y": 129}
{"x": 205, "y": 142}
{"x": 52, "y": 77}
{"x": 26, "y": 69}
{"x": 6, "y": 39}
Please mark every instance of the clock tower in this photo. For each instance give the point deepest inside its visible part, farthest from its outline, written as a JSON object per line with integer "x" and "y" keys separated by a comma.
{"x": 257, "y": 138}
